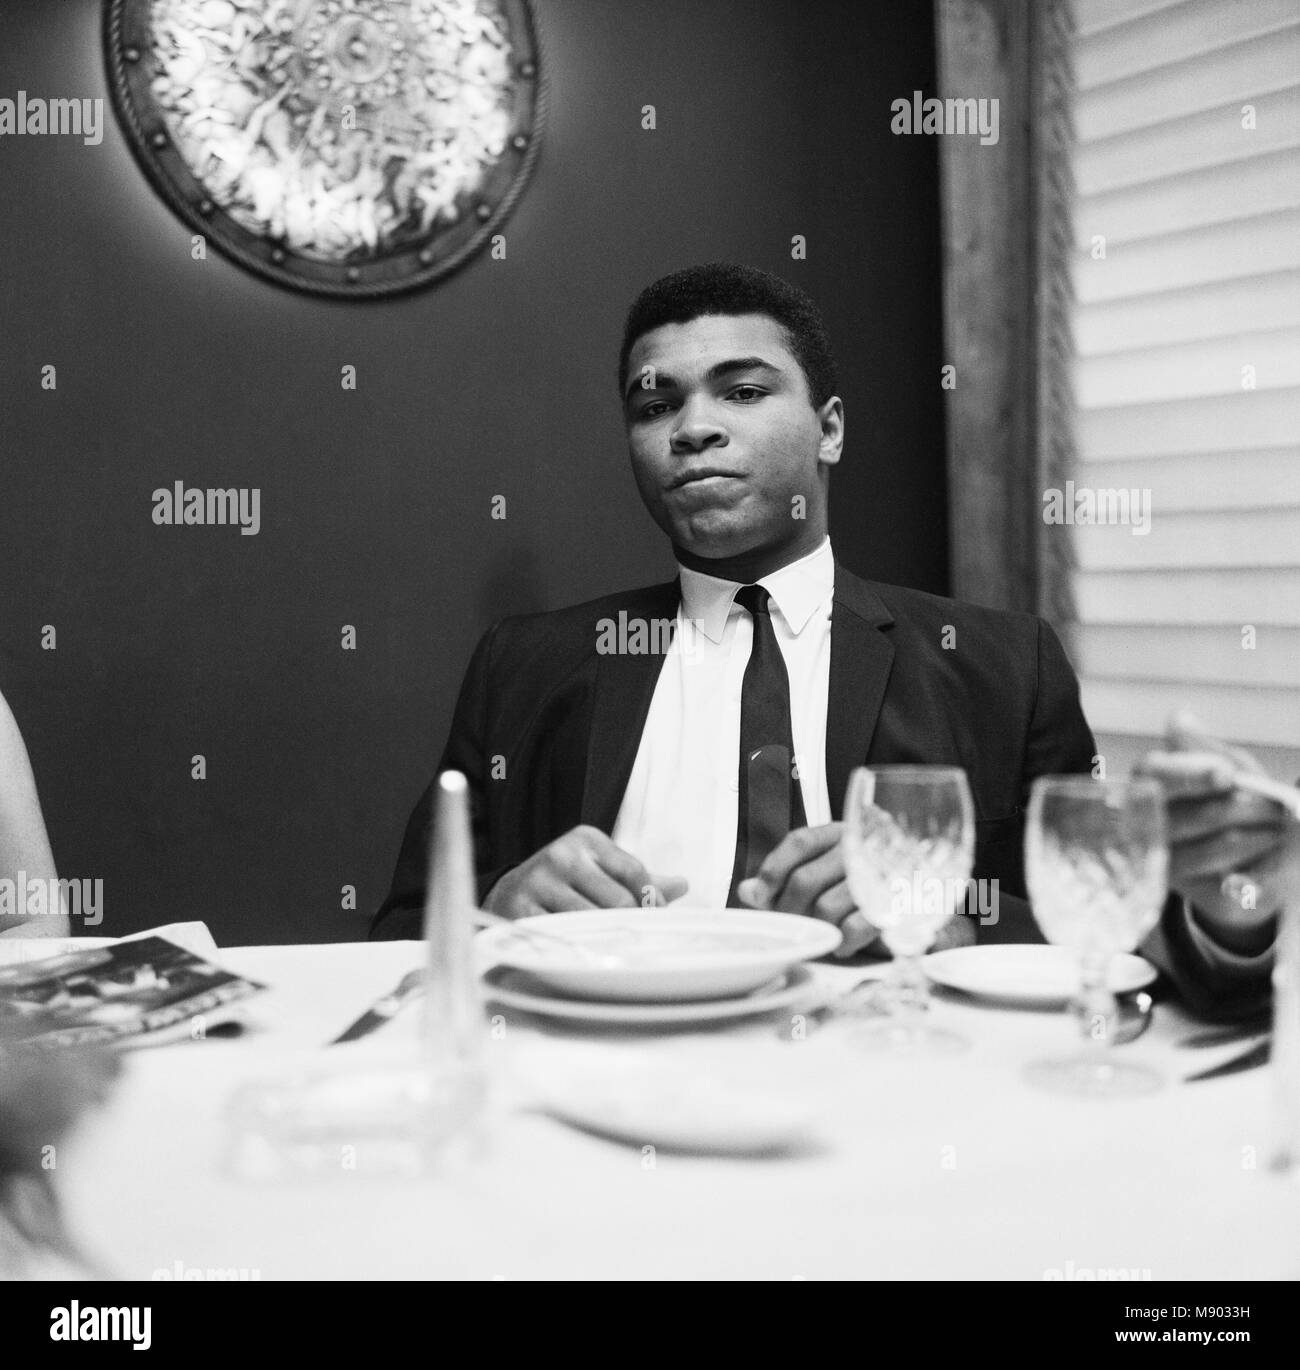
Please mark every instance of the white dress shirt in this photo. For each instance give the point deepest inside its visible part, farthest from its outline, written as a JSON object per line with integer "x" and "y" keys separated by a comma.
{"x": 678, "y": 815}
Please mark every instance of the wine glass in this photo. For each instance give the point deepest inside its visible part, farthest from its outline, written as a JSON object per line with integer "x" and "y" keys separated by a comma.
{"x": 909, "y": 846}
{"x": 1097, "y": 864}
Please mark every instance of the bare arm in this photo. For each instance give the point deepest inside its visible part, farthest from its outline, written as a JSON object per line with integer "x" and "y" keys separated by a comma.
{"x": 24, "y": 845}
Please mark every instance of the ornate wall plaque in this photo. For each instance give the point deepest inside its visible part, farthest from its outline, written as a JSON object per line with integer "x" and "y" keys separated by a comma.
{"x": 352, "y": 148}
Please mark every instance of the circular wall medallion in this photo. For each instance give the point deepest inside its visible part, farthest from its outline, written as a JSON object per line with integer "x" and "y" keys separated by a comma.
{"x": 353, "y": 148}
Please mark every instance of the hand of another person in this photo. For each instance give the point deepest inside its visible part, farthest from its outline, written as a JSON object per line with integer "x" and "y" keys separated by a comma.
{"x": 581, "y": 870}
{"x": 804, "y": 873}
{"x": 1234, "y": 855}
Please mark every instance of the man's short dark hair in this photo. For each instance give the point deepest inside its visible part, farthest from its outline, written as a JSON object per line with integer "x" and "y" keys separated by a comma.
{"x": 728, "y": 288}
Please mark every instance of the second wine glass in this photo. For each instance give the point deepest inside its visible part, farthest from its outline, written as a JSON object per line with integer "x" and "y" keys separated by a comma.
{"x": 909, "y": 847}
{"x": 1096, "y": 862}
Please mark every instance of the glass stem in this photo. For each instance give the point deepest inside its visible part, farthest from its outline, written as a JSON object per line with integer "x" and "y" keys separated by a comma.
{"x": 911, "y": 990}
{"x": 1097, "y": 1005}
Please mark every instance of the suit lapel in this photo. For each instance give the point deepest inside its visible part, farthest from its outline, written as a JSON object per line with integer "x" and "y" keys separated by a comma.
{"x": 625, "y": 685}
{"x": 861, "y": 659}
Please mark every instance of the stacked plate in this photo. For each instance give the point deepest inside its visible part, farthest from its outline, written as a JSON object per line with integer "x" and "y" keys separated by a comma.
{"x": 654, "y": 966}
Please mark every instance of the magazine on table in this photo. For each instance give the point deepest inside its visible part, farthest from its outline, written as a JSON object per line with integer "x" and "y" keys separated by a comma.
{"x": 141, "y": 992}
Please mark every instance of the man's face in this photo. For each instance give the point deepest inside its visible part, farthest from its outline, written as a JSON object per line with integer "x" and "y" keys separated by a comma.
{"x": 728, "y": 452}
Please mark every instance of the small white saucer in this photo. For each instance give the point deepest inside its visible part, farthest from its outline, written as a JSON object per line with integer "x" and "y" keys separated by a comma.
{"x": 1027, "y": 973}
{"x": 517, "y": 989}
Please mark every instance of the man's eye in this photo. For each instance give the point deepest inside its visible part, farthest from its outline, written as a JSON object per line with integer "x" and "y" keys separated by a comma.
{"x": 653, "y": 409}
{"x": 747, "y": 393}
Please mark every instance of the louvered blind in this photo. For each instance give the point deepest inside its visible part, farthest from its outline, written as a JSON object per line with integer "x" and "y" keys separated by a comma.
{"x": 1186, "y": 370}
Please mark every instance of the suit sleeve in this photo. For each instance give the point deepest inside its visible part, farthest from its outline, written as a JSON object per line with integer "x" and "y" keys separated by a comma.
{"x": 1058, "y": 742}
{"x": 402, "y": 913}
{"x": 1213, "y": 983}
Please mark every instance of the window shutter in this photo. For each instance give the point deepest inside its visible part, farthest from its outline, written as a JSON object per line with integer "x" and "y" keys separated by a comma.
{"x": 1185, "y": 370}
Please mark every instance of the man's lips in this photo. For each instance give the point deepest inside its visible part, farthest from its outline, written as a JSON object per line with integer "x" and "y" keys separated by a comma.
{"x": 704, "y": 473}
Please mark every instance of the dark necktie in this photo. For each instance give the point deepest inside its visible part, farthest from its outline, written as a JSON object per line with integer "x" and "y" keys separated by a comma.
{"x": 770, "y": 802}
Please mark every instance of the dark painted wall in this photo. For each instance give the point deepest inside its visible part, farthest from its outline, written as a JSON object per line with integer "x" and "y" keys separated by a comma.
{"x": 773, "y": 119}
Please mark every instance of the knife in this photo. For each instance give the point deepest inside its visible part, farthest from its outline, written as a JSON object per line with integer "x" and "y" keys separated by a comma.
{"x": 386, "y": 1009}
{"x": 1258, "y": 1055}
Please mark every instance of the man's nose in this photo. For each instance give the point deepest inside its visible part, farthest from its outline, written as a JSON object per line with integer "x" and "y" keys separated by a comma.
{"x": 697, "y": 428}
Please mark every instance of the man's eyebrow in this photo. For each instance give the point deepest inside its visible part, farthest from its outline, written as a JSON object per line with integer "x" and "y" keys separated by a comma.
{"x": 663, "y": 381}
{"x": 741, "y": 364}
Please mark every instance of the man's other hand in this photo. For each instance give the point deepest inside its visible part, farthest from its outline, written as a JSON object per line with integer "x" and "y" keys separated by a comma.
{"x": 1233, "y": 855}
{"x": 581, "y": 870}
{"x": 804, "y": 873}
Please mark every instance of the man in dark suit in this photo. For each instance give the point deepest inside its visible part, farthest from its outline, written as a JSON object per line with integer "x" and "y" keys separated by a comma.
{"x": 605, "y": 744}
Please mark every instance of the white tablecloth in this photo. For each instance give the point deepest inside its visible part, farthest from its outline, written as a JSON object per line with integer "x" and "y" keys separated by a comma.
{"x": 944, "y": 1168}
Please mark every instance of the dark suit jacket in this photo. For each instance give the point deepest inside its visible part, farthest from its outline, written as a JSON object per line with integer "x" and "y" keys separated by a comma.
{"x": 913, "y": 678}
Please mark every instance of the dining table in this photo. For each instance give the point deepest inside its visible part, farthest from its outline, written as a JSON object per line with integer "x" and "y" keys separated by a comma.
{"x": 950, "y": 1167}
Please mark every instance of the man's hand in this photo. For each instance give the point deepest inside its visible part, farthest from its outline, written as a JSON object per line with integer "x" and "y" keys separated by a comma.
{"x": 804, "y": 874}
{"x": 1234, "y": 855}
{"x": 581, "y": 870}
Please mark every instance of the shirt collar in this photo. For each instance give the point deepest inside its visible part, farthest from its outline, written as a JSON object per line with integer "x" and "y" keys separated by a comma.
{"x": 797, "y": 590}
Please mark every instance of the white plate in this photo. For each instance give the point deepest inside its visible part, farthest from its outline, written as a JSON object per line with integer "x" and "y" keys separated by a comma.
{"x": 1027, "y": 973}
{"x": 518, "y": 989}
{"x": 661, "y": 955}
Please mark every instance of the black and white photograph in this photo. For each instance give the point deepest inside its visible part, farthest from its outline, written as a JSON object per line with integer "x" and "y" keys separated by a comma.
{"x": 650, "y": 641}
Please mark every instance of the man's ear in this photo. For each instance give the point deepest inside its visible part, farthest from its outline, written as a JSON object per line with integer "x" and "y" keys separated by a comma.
{"x": 830, "y": 418}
